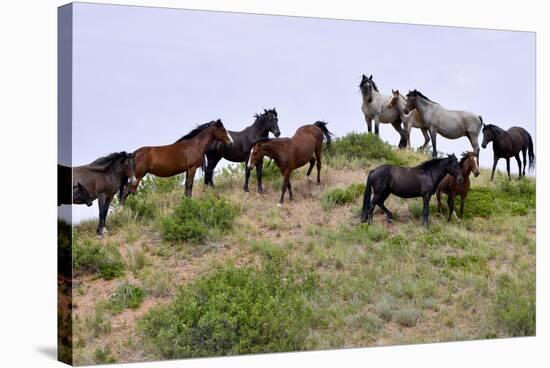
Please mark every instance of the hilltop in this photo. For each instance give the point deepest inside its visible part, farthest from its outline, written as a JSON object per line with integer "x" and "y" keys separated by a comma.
{"x": 229, "y": 272}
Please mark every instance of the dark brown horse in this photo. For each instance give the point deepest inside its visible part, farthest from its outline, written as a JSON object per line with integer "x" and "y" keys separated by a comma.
{"x": 509, "y": 143}
{"x": 292, "y": 153}
{"x": 102, "y": 180}
{"x": 185, "y": 155}
{"x": 450, "y": 186}
{"x": 406, "y": 182}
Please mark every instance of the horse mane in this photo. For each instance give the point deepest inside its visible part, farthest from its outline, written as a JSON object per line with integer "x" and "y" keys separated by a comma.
{"x": 273, "y": 111}
{"x": 465, "y": 156}
{"x": 426, "y": 165}
{"x": 374, "y": 85}
{"x": 492, "y": 127}
{"x": 195, "y": 132}
{"x": 260, "y": 140}
{"x": 105, "y": 162}
{"x": 418, "y": 93}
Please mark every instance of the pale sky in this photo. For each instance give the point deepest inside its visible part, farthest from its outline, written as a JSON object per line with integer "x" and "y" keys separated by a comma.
{"x": 146, "y": 76}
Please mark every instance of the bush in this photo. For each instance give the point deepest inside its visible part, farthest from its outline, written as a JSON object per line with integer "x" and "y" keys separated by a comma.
{"x": 125, "y": 296}
{"x": 156, "y": 283}
{"x": 195, "y": 220}
{"x": 234, "y": 311}
{"x": 362, "y": 147}
{"x": 339, "y": 197}
{"x": 515, "y": 306}
{"x": 407, "y": 317}
{"x": 92, "y": 256}
{"x": 142, "y": 203}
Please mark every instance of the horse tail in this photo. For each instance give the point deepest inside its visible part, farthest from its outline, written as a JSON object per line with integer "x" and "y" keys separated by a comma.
{"x": 123, "y": 185}
{"x": 531, "y": 153}
{"x": 323, "y": 126}
{"x": 366, "y": 199}
{"x": 481, "y": 120}
{"x": 204, "y": 164}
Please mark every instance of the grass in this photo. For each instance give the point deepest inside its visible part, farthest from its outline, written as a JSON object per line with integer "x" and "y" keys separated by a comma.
{"x": 304, "y": 276}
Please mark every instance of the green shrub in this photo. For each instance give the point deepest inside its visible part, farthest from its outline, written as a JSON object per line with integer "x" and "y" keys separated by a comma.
{"x": 91, "y": 256}
{"x": 234, "y": 311}
{"x": 515, "y": 306}
{"x": 125, "y": 296}
{"x": 104, "y": 356}
{"x": 142, "y": 203}
{"x": 194, "y": 220}
{"x": 338, "y": 197}
{"x": 362, "y": 147}
{"x": 407, "y": 317}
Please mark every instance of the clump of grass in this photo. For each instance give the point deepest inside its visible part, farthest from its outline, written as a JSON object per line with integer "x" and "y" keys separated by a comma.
{"x": 407, "y": 317}
{"x": 156, "y": 283}
{"x": 338, "y": 197}
{"x": 104, "y": 356}
{"x": 136, "y": 258}
{"x": 125, "y": 296}
{"x": 234, "y": 311}
{"x": 361, "y": 147}
{"x": 384, "y": 310}
{"x": 97, "y": 324}
{"x": 515, "y": 306}
{"x": 194, "y": 220}
{"x": 92, "y": 256}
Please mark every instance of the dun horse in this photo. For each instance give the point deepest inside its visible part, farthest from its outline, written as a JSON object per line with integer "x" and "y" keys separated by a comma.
{"x": 185, "y": 155}
{"x": 292, "y": 153}
{"x": 450, "y": 186}
{"x": 410, "y": 120}
{"x": 102, "y": 179}
{"x": 451, "y": 124}
{"x": 375, "y": 107}
{"x": 405, "y": 182}
{"x": 509, "y": 143}
{"x": 239, "y": 151}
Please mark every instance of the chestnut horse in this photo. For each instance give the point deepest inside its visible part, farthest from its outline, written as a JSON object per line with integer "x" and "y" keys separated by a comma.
{"x": 292, "y": 153}
{"x": 185, "y": 155}
{"x": 450, "y": 186}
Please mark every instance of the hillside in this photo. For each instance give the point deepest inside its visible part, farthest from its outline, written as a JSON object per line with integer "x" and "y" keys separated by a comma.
{"x": 229, "y": 272}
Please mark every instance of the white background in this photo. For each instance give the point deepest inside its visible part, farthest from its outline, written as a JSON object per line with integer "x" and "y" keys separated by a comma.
{"x": 28, "y": 166}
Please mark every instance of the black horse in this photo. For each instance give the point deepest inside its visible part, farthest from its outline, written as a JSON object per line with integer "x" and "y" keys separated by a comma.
{"x": 239, "y": 151}
{"x": 407, "y": 182}
{"x": 509, "y": 143}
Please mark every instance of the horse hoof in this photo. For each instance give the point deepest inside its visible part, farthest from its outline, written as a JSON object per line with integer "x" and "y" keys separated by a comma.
{"x": 390, "y": 221}
{"x": 246, "y": 190}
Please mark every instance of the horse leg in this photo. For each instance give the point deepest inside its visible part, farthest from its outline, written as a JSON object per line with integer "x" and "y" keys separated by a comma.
{"x": 246, "y": 177}
{"x": 189, "y": 178}
{"x": 475, "y": 145}
{"x": 433, "y": 136}
{"x": 369, "y": 124}
{"x": 426, "y": 208}
{"x": 318, "y": 159}
{"x": 380, "y": 203}
{"x": 129, "y": 189}
{"x": 286, "y": 181}
{"x": 402, "y": 137}
{"x": 211, "y": 162}
{"x": 408, "y": 134}
{"x": 519, "y": 164}
{"x": 495, "y": 162}
{"x": 259, "y": 168}
{"x": 374, "y": 201}
{"x": 439, "y": 205}
{"x": 101, "y": 200}
{"x": 508, "y": 168}
{"x": 106, "y": 211}
{"x": 524, "y": 159}
{"x": 426, "y": 139}
{"x": 462, "y": 201}
{"x": 311, "y": 164}
{"x": 451, "y": 204}
{"x": 289, "y": 189}
{"x": 376, "y": 127}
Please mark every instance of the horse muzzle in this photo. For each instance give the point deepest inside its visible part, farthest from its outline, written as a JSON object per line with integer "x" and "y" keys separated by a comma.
{"x": 476, "y": 174}
{"x": 277, "y": 134}
{"x": 483, "y": 145}
{"x": 133, "y": 180}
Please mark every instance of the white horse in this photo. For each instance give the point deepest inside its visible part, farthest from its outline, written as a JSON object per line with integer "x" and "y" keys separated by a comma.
{"x": 410, "y": 120}
{"x": 375, "y": 107}
{"x": 451, "y": 124}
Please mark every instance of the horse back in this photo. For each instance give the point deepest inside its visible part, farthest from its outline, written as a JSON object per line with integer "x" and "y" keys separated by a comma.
{"x": 519, "y": 136}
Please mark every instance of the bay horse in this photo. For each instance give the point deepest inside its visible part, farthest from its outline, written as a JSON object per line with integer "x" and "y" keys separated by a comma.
{"x": 184, "y": 155}
{"x": 102, "y": 180}
{"x": 450, "y": 186}
{"x": 239, "y": 151}
{"x": 451, "y": 124}
{"x": 375, "y": 107}
{"x": 509, "y": 143}
{"x": 410, "y": 120}
{"x": 291, "y": 153}
{"x": 406, "y": 182}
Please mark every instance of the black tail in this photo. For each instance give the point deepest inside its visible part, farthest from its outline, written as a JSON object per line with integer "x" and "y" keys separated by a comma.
{"x": 123, "y": 185}
{"x": 204, "y": 164}
{"x": 366, "y": 200}
{"x": 323, "y": 126}
{"x": 481, "y": 120}
{"x": 531, "y": 153}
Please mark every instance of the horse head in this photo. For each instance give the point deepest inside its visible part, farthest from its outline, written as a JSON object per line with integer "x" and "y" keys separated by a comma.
{"x": 412, "y": 97}
{"x": 394, "y": 98}
{"x": 256, "y": 153}
{"x": 129, "y": 167}
{"x": 489, "y": 134}
{"x": 366, "y": 86}
{"x": 271, "y": 121}
{"x": 81, "y": 195}
{"x": 220, "y": 133}
{"x": 468, "y": 162}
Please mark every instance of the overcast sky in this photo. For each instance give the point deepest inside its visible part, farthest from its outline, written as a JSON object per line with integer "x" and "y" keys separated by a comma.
{"x": 146, "y": 76}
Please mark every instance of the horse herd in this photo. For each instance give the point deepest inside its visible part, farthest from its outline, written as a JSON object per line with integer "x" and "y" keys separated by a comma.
{"x": 203, "y": 147}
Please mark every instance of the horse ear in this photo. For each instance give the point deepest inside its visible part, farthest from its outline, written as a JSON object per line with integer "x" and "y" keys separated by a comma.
{"x": 370, "y": 77}
{"x": 80, "y": 186}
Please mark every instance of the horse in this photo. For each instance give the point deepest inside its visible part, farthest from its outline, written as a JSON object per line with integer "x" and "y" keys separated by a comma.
{"x": 239, "y": 151}
{"x": 102, "y": 180}
{"x": 406, "y": 182}
{"x": 81, "y": 195}
{"x": 509, "y": 143}
{"x": 375, "y": 107}
{"x": 451, "y": 124}
{"x": 410, "y": 120}
{"x": 450, "y": 186}
{"x": 291, "y": 153}
{"x": 185, "y": 155}
{"x": 64, "y": 182}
